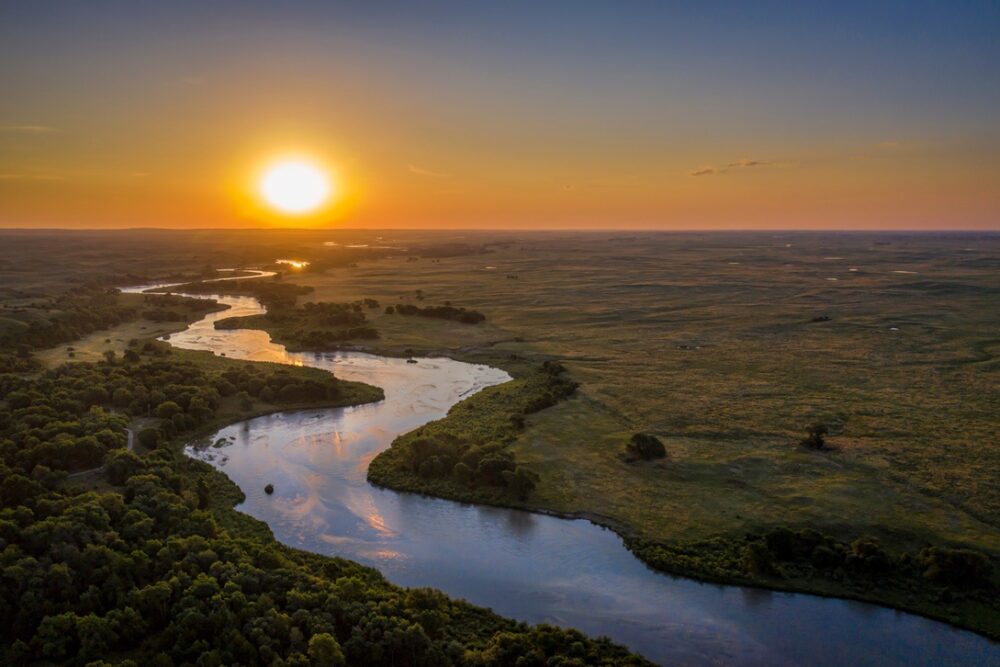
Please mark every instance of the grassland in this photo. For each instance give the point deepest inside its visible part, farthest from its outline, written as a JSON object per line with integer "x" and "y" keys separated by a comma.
{"x": 94, "y": 346}
{"x": 727, "y": 346}
{"x": 709, "y": 342}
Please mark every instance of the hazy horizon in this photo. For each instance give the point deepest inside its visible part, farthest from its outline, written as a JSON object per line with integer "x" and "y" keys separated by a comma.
{"x": 454, "y": 116}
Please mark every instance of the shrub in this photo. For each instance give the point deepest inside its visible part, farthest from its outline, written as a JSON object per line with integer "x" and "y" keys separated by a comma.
{"x": 168, "y": 409}
{"x": 149, "y": 438}
{"x": 815, "y": 437}
{"x": 956, "y": 566}
{"x": 644, "y": 447}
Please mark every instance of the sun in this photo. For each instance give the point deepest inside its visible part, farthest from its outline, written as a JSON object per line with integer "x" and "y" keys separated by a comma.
{"x": 295, "y": 186}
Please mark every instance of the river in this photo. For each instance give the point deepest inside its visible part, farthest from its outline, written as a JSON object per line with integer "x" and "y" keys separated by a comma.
{"x": 527, "y": 566}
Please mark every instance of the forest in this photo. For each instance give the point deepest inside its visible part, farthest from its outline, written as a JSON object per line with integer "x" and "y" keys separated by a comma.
{"x": 140, "y": 558}
{"x": 313, "y": 326}
{"x": 466, "y": 455}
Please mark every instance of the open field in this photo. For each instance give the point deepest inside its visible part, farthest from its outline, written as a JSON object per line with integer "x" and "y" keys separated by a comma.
{"x": 708, "y": 341}
{"x": 726, "y": 346}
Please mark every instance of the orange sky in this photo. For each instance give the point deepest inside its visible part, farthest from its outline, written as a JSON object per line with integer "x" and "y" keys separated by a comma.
{"x": 164, "y": 118}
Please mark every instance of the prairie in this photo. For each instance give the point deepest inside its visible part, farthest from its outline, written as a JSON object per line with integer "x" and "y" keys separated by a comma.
{"x": 728, "y": 346}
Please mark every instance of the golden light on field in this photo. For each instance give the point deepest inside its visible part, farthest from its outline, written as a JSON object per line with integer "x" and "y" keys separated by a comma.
{"x": 295, "y": 186}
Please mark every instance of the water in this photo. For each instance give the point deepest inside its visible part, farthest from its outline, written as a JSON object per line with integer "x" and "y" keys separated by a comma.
{"x": 527, "y": 566}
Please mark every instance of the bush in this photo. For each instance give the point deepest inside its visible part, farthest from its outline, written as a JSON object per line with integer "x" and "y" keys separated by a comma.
{"x": 644, "y": 447}
{"x": 815, "y": 437}
{"x": 149, "y": 438}
{"x": 120, "y": 465}
{"x": 956, "y": 566}
{"x": 168, "y": 409}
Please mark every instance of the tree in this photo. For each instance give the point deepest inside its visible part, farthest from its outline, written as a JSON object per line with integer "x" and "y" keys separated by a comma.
{"x": 243, "y": 398}
{"x": 521, "y": 482}
{"x": 815, "y": 437}
{"x": 325, "y": 651}
{"x": 168, "y": 409}
{"x": 121, "y": 397}
{"x": 121, "y": 464}
{"x": 644, "y": 447}
{"x": 149, "y": 438}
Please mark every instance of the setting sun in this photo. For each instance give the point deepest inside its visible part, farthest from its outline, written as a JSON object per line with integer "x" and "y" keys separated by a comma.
{"x": 295, "y": 186}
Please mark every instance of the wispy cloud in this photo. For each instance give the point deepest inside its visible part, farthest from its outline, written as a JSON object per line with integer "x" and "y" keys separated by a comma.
{"x": 741, "y": 164}
{"x": 419, "y": 171}
{"x": 887, "y": 144}
{"x": 744, "y": 163}
{"x": 27, "y": 129}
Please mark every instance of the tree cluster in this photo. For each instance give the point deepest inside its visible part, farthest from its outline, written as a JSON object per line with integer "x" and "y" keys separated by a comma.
{"x": 78, "y": 312}
{"x": 446, "y": 312}
{"x": 273, "y": 295}
{"x": 468, "y": 451}
{"x": 644, "y": 447}
{"x": 314, "y": 326}
{"x": 155, "y": 568}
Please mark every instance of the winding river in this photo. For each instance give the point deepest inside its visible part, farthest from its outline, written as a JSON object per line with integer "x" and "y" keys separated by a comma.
{"x": 523, "y": 565}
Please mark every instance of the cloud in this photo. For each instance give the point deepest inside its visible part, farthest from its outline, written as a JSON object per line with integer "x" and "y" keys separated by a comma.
{"x": 27, "y": 129}
{"x": 744, "y": 163}
{"x": 704, "y": 171}
{"x": 427, "y": 172}
{"x": 887, "y": 144}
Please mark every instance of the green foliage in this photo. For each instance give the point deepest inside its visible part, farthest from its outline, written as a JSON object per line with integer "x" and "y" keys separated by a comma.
{"x": 446, "y": 312}
{"x": 466, "y": 455}
{"x": 816, "y": 437}
{"x": 962, "y": 567}
{"x": 644, "y": 447}
{"x": 325, "y": 651}
{"x": 314, "y": 326}
{"x": 162, "y": 569}
{"x": 860, "y": 568}
{"x": 149, "y": 438}
{"x": 72, "y": 315}
{"x": 274, "y": 295}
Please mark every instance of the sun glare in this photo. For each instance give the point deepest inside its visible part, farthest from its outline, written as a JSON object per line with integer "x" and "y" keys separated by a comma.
{"x": 295, "y": 186}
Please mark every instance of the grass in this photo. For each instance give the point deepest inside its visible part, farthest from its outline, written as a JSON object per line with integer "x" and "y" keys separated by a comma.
{"x": 116, "y": 339}
{"x": 709, "y": 342}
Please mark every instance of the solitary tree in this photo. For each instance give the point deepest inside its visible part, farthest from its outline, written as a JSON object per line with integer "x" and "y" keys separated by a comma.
{"x": 815, "y": 436}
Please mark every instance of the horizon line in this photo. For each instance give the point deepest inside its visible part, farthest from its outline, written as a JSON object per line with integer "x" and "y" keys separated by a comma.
{"x": 646, "y": 230}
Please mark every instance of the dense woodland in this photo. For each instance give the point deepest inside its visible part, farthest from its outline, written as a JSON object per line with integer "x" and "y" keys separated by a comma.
{"x": 466, "y": 455}
{"x": 41, "y": 322}
{"x": 142, "y": 560}
{"x": 313, "y": 326}
{"x": 445, "y": 312}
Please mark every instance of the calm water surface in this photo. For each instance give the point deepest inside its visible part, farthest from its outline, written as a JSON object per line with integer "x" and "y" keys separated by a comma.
{"x": 527, "y": 566}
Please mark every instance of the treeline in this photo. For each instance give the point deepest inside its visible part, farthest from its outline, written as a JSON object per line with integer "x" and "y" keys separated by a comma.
{"x": 38, "y": 424}
{"x": 272, "y": 294}
{"x": 173, "y": 308}
{"x": 51, "y": 321}
{"x": 943, "y": 582}
{"x": 314, "y": 326}
{"x": 446, "y": 312}
{"x": 466, "y": 455}
{"x": 154, "y": 567}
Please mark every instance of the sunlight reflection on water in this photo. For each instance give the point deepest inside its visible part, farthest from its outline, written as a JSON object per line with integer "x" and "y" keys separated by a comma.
{"x": 532, "y": 567}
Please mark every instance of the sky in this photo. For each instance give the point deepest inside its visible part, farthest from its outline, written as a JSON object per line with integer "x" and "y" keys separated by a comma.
{"x": 521, "y": 115}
